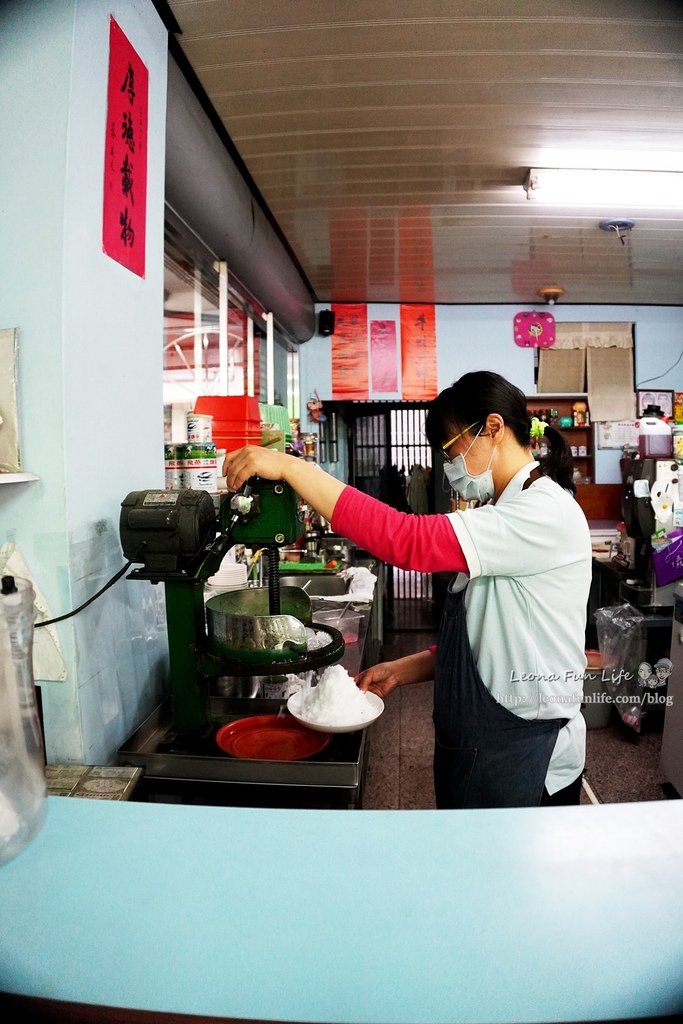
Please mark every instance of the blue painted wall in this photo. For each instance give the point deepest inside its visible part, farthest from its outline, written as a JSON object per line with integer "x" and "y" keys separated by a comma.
{"x": 90, "y": 359}
{"x": 480, "y": 337}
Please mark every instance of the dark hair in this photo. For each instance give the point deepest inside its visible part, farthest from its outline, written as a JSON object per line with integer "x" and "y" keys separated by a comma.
{"x": 470, "y": 400}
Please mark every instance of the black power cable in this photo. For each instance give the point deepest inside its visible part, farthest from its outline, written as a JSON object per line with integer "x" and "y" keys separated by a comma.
{"x": 111, "y": 582}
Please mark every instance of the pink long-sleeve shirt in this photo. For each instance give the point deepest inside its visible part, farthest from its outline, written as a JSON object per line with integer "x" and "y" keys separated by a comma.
{"x": 423, "y": 543}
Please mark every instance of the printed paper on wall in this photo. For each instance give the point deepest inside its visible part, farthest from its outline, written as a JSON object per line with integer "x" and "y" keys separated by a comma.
{"x": 124, "y": 212}
{"x": 350, "y": 351}
{"x": 383, "y": 355}
{"x": 418, "y": 352}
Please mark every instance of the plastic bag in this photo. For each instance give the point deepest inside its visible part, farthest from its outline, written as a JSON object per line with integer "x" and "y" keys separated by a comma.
{"x": 621, "y": 643}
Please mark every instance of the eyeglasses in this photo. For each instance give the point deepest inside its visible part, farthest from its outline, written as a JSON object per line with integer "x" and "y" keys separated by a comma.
{"x": 443, "y": 450}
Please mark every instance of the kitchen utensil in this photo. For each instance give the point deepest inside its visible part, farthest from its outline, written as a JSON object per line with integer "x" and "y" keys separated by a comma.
{"x": 347, "y": 621}
{"x": 296, "y": 708}
{"x": 239, "y": 624}
{"x": 271, "y": 738}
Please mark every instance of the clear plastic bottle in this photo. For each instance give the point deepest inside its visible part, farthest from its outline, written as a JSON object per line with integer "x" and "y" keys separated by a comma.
{"x": 23, "y": 792}
{"x": 654, "y": 439}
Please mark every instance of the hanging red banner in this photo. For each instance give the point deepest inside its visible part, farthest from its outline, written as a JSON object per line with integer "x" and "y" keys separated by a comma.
{"x": 383, "y": 355}
{"x": 124, "y": 213}
{"x": 418, "y": 352}
{"x": 350, "y": 351}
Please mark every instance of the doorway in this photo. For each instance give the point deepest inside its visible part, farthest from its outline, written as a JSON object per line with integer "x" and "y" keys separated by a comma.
{"x": 390, "y": 459}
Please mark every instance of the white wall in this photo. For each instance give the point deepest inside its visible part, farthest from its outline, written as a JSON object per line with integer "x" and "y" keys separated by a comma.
{"x": 480, "y": 337}
{"x": 90, "y": 366}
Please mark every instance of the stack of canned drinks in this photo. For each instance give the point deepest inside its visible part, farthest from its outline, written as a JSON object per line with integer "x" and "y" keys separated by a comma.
{"x": 193, "y": 465}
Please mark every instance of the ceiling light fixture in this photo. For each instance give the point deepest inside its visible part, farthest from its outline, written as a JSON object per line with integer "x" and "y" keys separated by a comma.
{"x": 551, "y": 293}
{"x": 621, "y": 228}
{"x": 598, "y": 187}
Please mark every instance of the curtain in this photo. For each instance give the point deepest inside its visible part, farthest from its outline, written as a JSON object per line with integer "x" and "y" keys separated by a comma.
{"x": 610, "y": 384}
{"x": 593, "y": 335}
{"x": 596, "y": 358}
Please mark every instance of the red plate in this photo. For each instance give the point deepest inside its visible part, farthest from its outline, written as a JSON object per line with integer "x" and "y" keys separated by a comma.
{"x": 270, "y": 738}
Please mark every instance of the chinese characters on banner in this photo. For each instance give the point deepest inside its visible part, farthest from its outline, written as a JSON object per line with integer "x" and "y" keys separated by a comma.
{"x": 124, "y": 211}
{"x": 383, "y": 355}
{"x": 350, "y": 351}
{"x": 418, "y": 352}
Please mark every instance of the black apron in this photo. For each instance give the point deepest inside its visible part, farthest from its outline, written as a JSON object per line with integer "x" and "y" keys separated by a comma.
{"x": 484, "y": 754}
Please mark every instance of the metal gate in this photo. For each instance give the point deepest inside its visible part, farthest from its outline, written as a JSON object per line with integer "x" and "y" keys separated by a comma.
{"x": 386, "y": 442}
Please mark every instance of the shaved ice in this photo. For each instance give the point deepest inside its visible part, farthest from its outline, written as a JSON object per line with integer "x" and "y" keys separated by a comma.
{"x": 336, "y": 700}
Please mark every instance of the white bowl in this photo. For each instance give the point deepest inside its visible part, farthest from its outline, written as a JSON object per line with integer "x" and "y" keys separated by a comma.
{"x": 294, "y": 708}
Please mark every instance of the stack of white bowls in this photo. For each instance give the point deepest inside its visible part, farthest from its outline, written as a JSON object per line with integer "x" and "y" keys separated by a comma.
{"x": 230, "y": 576}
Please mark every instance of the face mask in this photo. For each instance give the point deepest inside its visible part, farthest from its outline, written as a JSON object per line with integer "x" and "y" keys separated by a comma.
{"x": 470, "y": 488}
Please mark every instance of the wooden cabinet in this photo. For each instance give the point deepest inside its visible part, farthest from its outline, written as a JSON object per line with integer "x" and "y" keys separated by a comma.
{"x": 555, "y": 409}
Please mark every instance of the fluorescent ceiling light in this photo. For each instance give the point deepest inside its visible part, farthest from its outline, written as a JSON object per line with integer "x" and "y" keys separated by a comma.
{"x": 611, "y": 159}
{"x": 597, "y": 187}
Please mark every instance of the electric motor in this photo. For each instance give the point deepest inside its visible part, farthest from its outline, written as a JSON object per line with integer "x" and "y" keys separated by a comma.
{"x": 166, "y": 530}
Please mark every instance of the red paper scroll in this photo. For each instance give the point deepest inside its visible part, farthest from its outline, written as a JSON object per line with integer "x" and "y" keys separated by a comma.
{"x": 350, "y": 351}
{"x": 124, "y": 213}
{"x": 383, "y": 355}
{"x": 418, "y": 352}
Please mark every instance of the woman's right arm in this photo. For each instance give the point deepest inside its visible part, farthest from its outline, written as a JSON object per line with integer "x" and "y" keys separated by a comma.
{"x": 385, "y": 677}
{"x": 425, "y": 543}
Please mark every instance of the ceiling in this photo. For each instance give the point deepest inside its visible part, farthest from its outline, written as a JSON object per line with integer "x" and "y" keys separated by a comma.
{"x": 390, "y": 139}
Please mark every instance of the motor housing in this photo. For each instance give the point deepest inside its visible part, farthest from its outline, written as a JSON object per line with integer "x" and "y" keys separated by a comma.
{"x": 166, "y": 531}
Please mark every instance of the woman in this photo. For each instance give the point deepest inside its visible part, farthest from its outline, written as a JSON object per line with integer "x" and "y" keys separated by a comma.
{"x": 509, "y": 661}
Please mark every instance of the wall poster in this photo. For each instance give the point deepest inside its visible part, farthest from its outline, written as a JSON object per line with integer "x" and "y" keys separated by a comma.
{"x": 383, "y": 356}
{"x": 350, "y": 351}
{"x": 124, "y": 212}
{"x": 418, "y": 352}
{"x": 663, "y": 399}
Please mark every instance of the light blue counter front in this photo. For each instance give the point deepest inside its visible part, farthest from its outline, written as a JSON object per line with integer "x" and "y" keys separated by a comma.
{"x": 370, "y": 916}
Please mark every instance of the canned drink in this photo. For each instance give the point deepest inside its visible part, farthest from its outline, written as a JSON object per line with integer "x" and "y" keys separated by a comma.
{"x": 199, "y": 467}
{"x": 173, "y": 480}
{"x": 199, "y": 427}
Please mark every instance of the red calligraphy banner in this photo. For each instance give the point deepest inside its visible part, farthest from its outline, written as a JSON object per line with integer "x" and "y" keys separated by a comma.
{"x": 350, "y": 351}
{"x": 383, "y": 355}
{"x": 418, "y": 352}
{"x": 124, "y": 213}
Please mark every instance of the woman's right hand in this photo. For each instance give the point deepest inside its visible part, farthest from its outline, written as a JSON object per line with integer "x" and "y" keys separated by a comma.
{"x": 385, "y": 677}
{"x": 380, "y": 679}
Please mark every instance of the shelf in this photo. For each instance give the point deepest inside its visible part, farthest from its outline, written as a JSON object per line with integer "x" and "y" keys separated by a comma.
{"x": 17, "y": 478}
{"x": 576, "y": 436}
{"x": 557, "y": 394}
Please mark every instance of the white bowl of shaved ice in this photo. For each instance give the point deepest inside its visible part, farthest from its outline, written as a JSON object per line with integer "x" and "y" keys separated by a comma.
{"x": 335, "y": 704}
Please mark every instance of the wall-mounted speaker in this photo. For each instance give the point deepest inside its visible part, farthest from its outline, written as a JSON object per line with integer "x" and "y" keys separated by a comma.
{"x": 325, "y": 322}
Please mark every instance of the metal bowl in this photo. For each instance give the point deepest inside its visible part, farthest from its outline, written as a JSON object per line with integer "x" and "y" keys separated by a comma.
{"x": 240, "y": 626}
{"x": 238, "y": 686}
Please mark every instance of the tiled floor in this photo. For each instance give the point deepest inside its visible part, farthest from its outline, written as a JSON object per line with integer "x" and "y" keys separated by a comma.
{"x": 401, "y": 742}
{"x": 621, "y": 766}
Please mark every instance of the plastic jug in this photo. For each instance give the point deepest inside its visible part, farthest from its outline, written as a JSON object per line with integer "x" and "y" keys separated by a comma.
{"x": 654, "y": 439}
{"x": 23, "y": 790}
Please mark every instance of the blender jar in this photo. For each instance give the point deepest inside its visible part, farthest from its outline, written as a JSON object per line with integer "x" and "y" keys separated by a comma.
{"x": 23, "y": 788}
